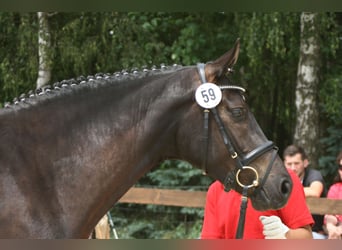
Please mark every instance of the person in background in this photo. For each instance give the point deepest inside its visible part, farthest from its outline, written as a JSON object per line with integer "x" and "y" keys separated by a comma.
{"x": 222, "y": 212}
{"x": 296, "y": 159}
{"x": 333, "y": 223}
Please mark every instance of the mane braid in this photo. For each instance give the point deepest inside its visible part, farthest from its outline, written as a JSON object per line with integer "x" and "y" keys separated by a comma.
{"x": 65, "y": 86}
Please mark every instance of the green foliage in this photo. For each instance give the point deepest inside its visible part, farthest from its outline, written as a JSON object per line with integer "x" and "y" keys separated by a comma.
{"x": 331, "y": 94}
{"x": 178, "y": 175}
{"x": 144, "y": 225}
{"x": 269, "y": 59}
{"x": 329, "y": 32}
{"x": 18, "y": 53}
{"x": 163, "y": 222}
{"x": 331, "y": 140}
{"x": 330, "y": 97}
{"x": 201, "y": 36}
{"x": 175, "y": 173}
{"x": 269, "y": 32}
{"x": 332, "y": 144}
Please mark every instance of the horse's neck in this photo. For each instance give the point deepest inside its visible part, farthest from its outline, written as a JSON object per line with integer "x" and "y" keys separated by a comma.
{"x": 99, "y": 146}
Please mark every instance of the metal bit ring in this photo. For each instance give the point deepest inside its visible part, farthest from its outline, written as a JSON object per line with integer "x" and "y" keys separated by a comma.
{"x": 255, "y": 182}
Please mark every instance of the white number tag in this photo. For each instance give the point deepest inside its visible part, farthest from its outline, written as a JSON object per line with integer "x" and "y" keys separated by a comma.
{"x": 208, "y": 95}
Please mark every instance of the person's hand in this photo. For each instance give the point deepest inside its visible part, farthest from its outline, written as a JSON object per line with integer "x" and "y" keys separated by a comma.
{"x": 334, "y": 232}
{"x": 274, "y": 228}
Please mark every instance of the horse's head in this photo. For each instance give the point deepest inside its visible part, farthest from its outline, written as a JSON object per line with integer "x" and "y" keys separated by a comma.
{"x": 227, "y": 140}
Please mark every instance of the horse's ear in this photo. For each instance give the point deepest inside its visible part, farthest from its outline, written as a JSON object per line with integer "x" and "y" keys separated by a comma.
{"x": 214, "y": 70}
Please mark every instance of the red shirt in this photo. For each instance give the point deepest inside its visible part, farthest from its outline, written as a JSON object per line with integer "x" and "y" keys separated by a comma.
{"x": 335, "y": 192}
{"x": 222, "y": 211}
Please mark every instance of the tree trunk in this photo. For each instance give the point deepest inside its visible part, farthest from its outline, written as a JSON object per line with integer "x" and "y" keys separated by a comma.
{"x": 44, "y": 44}
{"x": 307, "y": 124}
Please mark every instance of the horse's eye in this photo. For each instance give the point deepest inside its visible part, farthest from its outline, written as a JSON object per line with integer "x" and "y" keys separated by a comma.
{"x": 238, "y": 113}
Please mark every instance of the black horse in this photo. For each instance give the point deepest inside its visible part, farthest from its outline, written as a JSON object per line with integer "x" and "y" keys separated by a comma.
{"x": 69, "y": 152}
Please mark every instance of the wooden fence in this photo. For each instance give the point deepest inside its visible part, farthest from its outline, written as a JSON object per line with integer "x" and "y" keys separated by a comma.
{"x": 183, "y": 198}
{"x": 196, "y": 199}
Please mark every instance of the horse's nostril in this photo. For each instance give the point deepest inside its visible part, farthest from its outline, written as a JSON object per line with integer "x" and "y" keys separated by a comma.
{"x": 286, "y": 187}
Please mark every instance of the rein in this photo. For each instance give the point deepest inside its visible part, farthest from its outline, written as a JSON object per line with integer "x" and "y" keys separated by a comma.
{"x": 242, "y": 163}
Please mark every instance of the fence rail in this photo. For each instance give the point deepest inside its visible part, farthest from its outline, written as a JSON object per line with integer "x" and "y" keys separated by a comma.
{"x": 196, "y": 199}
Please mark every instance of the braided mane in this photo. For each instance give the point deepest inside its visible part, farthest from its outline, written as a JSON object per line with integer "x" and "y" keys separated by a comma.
{"x": 92, "y": 81}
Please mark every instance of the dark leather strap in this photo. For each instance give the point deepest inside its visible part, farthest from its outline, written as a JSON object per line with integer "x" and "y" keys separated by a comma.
{"x": 205, "y": 140}
{"x": 242, "y": 218}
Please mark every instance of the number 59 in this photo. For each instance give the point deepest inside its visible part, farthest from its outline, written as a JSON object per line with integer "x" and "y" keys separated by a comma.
{"x": 208, "y": 94}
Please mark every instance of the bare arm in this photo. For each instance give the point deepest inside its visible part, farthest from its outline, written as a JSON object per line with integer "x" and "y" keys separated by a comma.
{"x": 314, "y": 190}
{"x": 274, "y": 228}
{"x": 299, "y": 233}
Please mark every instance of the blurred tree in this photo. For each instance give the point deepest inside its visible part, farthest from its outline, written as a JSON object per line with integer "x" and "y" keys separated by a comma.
{"x": 44, "y": 48}
{"x": 307, "y": 126}
{"x": 319, "y": 40}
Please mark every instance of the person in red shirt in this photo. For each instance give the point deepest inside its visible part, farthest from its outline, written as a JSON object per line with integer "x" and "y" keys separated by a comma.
{"x": 333, "y": 222}
{"x": 222, "y": 211}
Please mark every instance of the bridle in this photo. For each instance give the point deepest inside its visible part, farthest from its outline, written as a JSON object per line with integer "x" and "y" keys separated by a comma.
{"x": 242, "y": 162}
